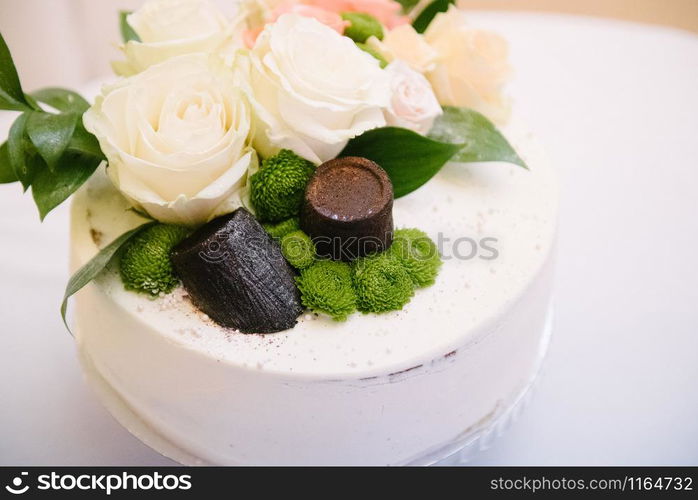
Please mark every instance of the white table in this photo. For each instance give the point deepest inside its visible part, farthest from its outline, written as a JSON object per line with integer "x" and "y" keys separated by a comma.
{"x": 617, "y": 106}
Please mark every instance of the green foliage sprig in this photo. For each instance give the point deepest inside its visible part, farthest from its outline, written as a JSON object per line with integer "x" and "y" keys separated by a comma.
{"x": 127, "y": 32}
{"x": 424, "y": 19}
{"x": 48, "y": 150}
{"x": 96, "y": 265}
{"x": 410, "y": 159}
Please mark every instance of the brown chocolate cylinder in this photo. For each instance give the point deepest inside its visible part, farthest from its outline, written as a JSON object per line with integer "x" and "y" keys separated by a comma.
{"x": 348, "y": 209}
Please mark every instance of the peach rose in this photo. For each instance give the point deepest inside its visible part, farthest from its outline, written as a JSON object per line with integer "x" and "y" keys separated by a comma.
{"x": 388, "y": 12}
{"x": 326, "y": 17}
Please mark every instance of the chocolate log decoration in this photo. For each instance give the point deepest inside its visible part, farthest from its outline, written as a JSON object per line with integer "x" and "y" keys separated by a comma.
{"x": 235, "y": 273}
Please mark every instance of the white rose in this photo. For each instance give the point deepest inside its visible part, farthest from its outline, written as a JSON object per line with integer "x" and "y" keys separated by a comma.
{"x": 169, "y": 28}
{"x": 403, "y": 42}
{"x": 472, "y": 66}
{"x": 312, "y": 89}
{"x": 176, "y": 138}
{"x": 413, "y": 104}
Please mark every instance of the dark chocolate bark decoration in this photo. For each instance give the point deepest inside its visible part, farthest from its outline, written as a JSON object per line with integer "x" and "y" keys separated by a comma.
{"x": 348, "y": 209}
{"x": 235, "y": 273}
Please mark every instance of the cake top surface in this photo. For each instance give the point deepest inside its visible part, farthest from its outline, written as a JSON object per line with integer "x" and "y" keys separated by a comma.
{"x": 494, "y": 225}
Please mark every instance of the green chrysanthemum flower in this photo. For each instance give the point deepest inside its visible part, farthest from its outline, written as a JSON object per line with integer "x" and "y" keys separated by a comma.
{"x": 281, "y": 229}
{"x": 298, "y": 249}
{"x": 418, "y": 254}
{"x": 362, "y": 26}
{"x": 145, "y": 264}
{"x": 326, "y": 287}
{"x": 277, "y": 189}
{"x": 381, "y": 283}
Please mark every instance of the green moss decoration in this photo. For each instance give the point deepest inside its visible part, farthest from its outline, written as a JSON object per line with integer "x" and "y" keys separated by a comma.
{"x": 326, "y": 287}
{"x": 145, "y": 265}
{"x": 381, "y": 283}
{"x": 370, "y": 50}
{"x": 362, "y": 26}
{"x": 280, "y": 229}
{"x": 418, "y": 254}
{"x": 277, "y": 189}
{"x": 298, "y": 249}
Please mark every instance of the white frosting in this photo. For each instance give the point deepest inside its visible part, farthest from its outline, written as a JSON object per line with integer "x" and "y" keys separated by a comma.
{"x": 377, "y": 388}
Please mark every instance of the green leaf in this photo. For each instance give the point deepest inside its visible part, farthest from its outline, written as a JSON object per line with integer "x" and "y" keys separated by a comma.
{"x": 425, "y": 17}
{"x": 62, "y": 99}
{"x": 32, "y": 102}
{"x": 409, "y": 159}
{"x": 50, "y": 189}
{"x": 24, "y": 158}
{"x": 7, "y": 173}
{"x": 482, "y": 141}
{"x": 11, "y": 94}
{"x": 85, "y": 143}
{"x": 127, "y": 32}
{"x": 460, "y": 135}
{"x": 15, "y": 149}
{"x": 51, "y": 134}
{"x": 91, "y": 270}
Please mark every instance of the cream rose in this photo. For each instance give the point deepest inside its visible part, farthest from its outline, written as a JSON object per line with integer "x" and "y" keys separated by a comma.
{"x": 312, "y": 89}
{"x": 406, "y": 44}
{"x": 176, "y": 138}
{"x": 472, "y": 65}
{"x": 413, "y": 104}
{"x": 168, "y": 28}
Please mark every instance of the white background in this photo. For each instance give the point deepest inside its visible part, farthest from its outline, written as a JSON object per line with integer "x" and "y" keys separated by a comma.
{"x": 617, "y": 106}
